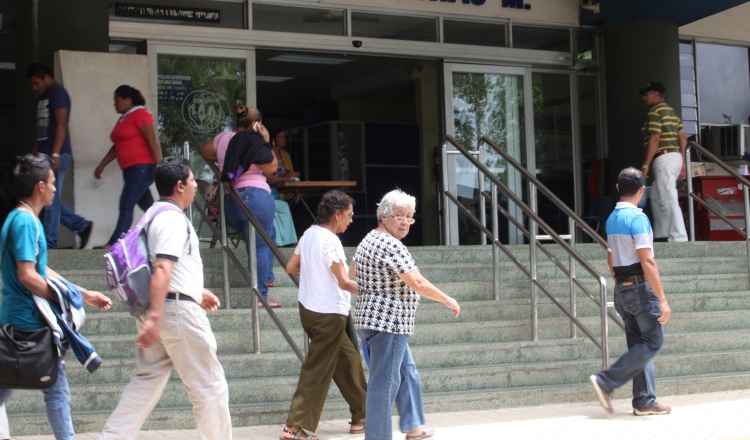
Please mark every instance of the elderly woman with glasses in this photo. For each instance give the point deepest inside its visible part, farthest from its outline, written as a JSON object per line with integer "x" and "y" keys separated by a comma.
{"x": 390, "y": 286}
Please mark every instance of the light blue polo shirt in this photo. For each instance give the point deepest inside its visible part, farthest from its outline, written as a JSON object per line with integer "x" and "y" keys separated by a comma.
{"x": 628, "y": 230}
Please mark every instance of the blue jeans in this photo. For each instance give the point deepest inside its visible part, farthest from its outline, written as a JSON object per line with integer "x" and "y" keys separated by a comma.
{"x": 58, "y": 212}
{"x": 135, "y": 191}
{"x": 639, "y": 308}
{"x": 393, "y": 379}
{"x": 260, "y": 203}
{"x": 57, "y": 402}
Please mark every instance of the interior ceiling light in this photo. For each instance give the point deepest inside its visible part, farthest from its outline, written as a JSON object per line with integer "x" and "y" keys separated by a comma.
{"x": 7, "y": 66}
{"x": 309, "y": 59}
{"x": 272, "y": 79}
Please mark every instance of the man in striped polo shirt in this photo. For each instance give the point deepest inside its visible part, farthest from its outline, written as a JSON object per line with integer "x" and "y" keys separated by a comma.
{"x": 639, "y": 299}
{"x": 663, "y": 134}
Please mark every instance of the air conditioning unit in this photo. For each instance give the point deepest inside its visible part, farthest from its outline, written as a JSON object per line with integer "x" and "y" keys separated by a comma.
{"x": 728, "y": 142}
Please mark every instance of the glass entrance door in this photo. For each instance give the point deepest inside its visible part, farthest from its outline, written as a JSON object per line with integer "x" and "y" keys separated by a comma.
{"x": 528, "y": 113}
{"x": 485, "y": 101}
{"x": 197, "y": 91}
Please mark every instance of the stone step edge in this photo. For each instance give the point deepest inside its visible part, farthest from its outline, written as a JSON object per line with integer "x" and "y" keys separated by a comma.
{"x": 427, "y": 397}
{"x": 464, "y": 367}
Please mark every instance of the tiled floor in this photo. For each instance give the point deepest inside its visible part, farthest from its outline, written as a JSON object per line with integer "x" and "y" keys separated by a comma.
{"x": 720, "y": 415}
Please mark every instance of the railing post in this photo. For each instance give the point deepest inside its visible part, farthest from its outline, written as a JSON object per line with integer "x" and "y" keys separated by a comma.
{"x": 254, "y": 277}
{"x": 691, "y": 207}
{"x": 224, "y": 242}
{"x": 446, "y": 208}
{"x": 747, "y": 231}
{"x": 533, "y": 230}
{"x": 605, "y": 324}
{"x": 495, "y": 238}
{"x": 480, "y": 184}
{"x": 572, "y": 264}
{"x": 186, "y": 155}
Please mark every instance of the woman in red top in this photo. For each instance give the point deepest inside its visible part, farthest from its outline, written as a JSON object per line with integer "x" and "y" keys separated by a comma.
{"x": 137, "y": 153}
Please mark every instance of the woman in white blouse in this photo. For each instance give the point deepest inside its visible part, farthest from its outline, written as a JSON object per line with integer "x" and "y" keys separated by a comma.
{"x": 324, "y": 303}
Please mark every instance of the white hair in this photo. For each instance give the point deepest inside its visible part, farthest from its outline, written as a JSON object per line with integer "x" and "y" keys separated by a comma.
{"x": 392, "y": 200}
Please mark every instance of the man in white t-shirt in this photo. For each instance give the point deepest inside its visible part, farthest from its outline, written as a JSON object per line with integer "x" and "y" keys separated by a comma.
{"x": 175, "y": 332}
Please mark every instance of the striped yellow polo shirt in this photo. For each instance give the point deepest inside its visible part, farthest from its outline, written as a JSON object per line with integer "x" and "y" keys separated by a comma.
{"x": 663, "y": 121}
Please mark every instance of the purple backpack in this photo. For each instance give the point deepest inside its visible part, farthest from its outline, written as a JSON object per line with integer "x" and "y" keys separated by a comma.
{"x": 128, "y": 270}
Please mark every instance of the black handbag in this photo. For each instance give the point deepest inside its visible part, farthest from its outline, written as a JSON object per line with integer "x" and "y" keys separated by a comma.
{"x": 28, "y": 359}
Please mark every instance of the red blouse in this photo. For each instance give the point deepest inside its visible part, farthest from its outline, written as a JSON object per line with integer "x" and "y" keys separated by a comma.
{"x": 130, "y": 145}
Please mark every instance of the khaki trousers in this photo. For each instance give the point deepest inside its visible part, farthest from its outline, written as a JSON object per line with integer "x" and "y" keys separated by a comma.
{"x": 187, "y": 344}
{"x": 331, "y": 355}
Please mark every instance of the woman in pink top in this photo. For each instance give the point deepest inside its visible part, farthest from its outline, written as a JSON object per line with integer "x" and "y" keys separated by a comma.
{"x": 254, "y": 191}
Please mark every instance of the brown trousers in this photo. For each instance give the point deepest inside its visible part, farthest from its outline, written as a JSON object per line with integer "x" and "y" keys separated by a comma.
{"x": 330, "y": 355}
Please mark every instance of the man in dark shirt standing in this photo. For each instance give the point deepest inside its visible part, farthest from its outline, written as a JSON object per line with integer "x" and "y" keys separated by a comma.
{"x": 639, "y": 299}
{"x": 53, "y": 139}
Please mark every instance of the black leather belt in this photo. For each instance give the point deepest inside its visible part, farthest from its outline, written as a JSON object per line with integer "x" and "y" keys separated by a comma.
{"x": 666, "y": 150}
{"x": 632, "y": 279}
{"x": 180, "y": 297}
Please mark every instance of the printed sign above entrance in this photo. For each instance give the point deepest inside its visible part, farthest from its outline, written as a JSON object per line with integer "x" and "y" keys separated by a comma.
{"x": 174, "y": 13}
{"x": 513, "y": 4}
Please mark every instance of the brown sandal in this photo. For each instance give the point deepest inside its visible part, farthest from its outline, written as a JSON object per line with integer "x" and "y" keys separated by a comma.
{"x": 360, "y": 427}
{"x": 296, "y": 435}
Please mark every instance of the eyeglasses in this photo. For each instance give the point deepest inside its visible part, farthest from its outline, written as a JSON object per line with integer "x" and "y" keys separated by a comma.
{"x": 351, "y": 214}
{"x": 404, "y": 219}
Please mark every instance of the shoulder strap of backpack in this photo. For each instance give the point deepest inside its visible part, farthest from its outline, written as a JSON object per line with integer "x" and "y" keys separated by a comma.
{"x": 148, "y": 218}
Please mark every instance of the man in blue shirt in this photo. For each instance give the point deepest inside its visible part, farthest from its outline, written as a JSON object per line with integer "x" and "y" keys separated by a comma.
{"x": 53, "y": 139}
{"x": 24, "y": 269}
{"x": 639, "y": 299}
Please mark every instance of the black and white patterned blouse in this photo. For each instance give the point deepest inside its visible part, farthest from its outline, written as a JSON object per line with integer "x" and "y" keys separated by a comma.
{"x": 385, "y": 303}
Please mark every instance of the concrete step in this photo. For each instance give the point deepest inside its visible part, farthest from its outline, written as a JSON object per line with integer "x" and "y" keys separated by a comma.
{"x": 72, "y": 259}
{"x": 275, "y": 412}
{"x": 434, "y": 380}
{"x": 119, "y": 323}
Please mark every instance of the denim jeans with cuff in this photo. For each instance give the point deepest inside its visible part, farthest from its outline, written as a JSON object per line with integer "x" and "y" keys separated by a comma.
{"x": 260, "y": 203}
{"x": 58, "y": 212}
{"x": 393, "y": 379}
{"x": 138, "y": 179}
{"x": 57, "y": 402}
{"x": 639, "y": 308}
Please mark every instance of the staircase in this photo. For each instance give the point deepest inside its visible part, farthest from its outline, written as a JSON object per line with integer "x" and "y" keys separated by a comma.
{"x": 483, "y": 359}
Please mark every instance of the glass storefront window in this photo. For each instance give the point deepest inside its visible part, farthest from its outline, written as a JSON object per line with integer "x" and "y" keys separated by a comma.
{"x": 198, "y": 95}
{"x": 394, "y": 27}
{"x": 477, "y": 34}
{"x": 489, "y": 105}
{"x": 553, "y": 143}
{"x": 530, "y": 37}
{"x": 267, "y": 17}
{"x": 227, "y": 14}
{"x": 687, "y": 90}
{"x": 724, "y": 76}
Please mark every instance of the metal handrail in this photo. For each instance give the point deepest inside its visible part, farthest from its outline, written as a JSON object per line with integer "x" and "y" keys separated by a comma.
{"x": 693, "y": 197}
{"x": 543, "y": 248}
{"x": 252, "y": 277}
{"x": 536, "y": 221}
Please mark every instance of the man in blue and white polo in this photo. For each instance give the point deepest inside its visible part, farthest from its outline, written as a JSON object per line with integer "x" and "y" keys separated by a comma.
{"x": 639, "y": 299}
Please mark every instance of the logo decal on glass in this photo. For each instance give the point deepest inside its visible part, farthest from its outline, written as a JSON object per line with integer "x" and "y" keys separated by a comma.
{"x": 204, "y": 111}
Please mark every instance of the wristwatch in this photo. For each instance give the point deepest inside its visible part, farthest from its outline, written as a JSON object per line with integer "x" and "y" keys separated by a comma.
{"x": 55, "y": 154}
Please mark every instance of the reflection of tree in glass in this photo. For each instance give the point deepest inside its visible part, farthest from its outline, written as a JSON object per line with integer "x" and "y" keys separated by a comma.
{"x": 488, "y": 105}
{"x": 225, "y": 78}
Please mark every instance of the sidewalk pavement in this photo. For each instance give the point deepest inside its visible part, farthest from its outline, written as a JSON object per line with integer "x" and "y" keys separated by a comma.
{"x": 719, "y": 415}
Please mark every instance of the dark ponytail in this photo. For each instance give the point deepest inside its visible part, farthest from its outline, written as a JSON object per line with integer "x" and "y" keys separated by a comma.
{"x": 134, "y": 94}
